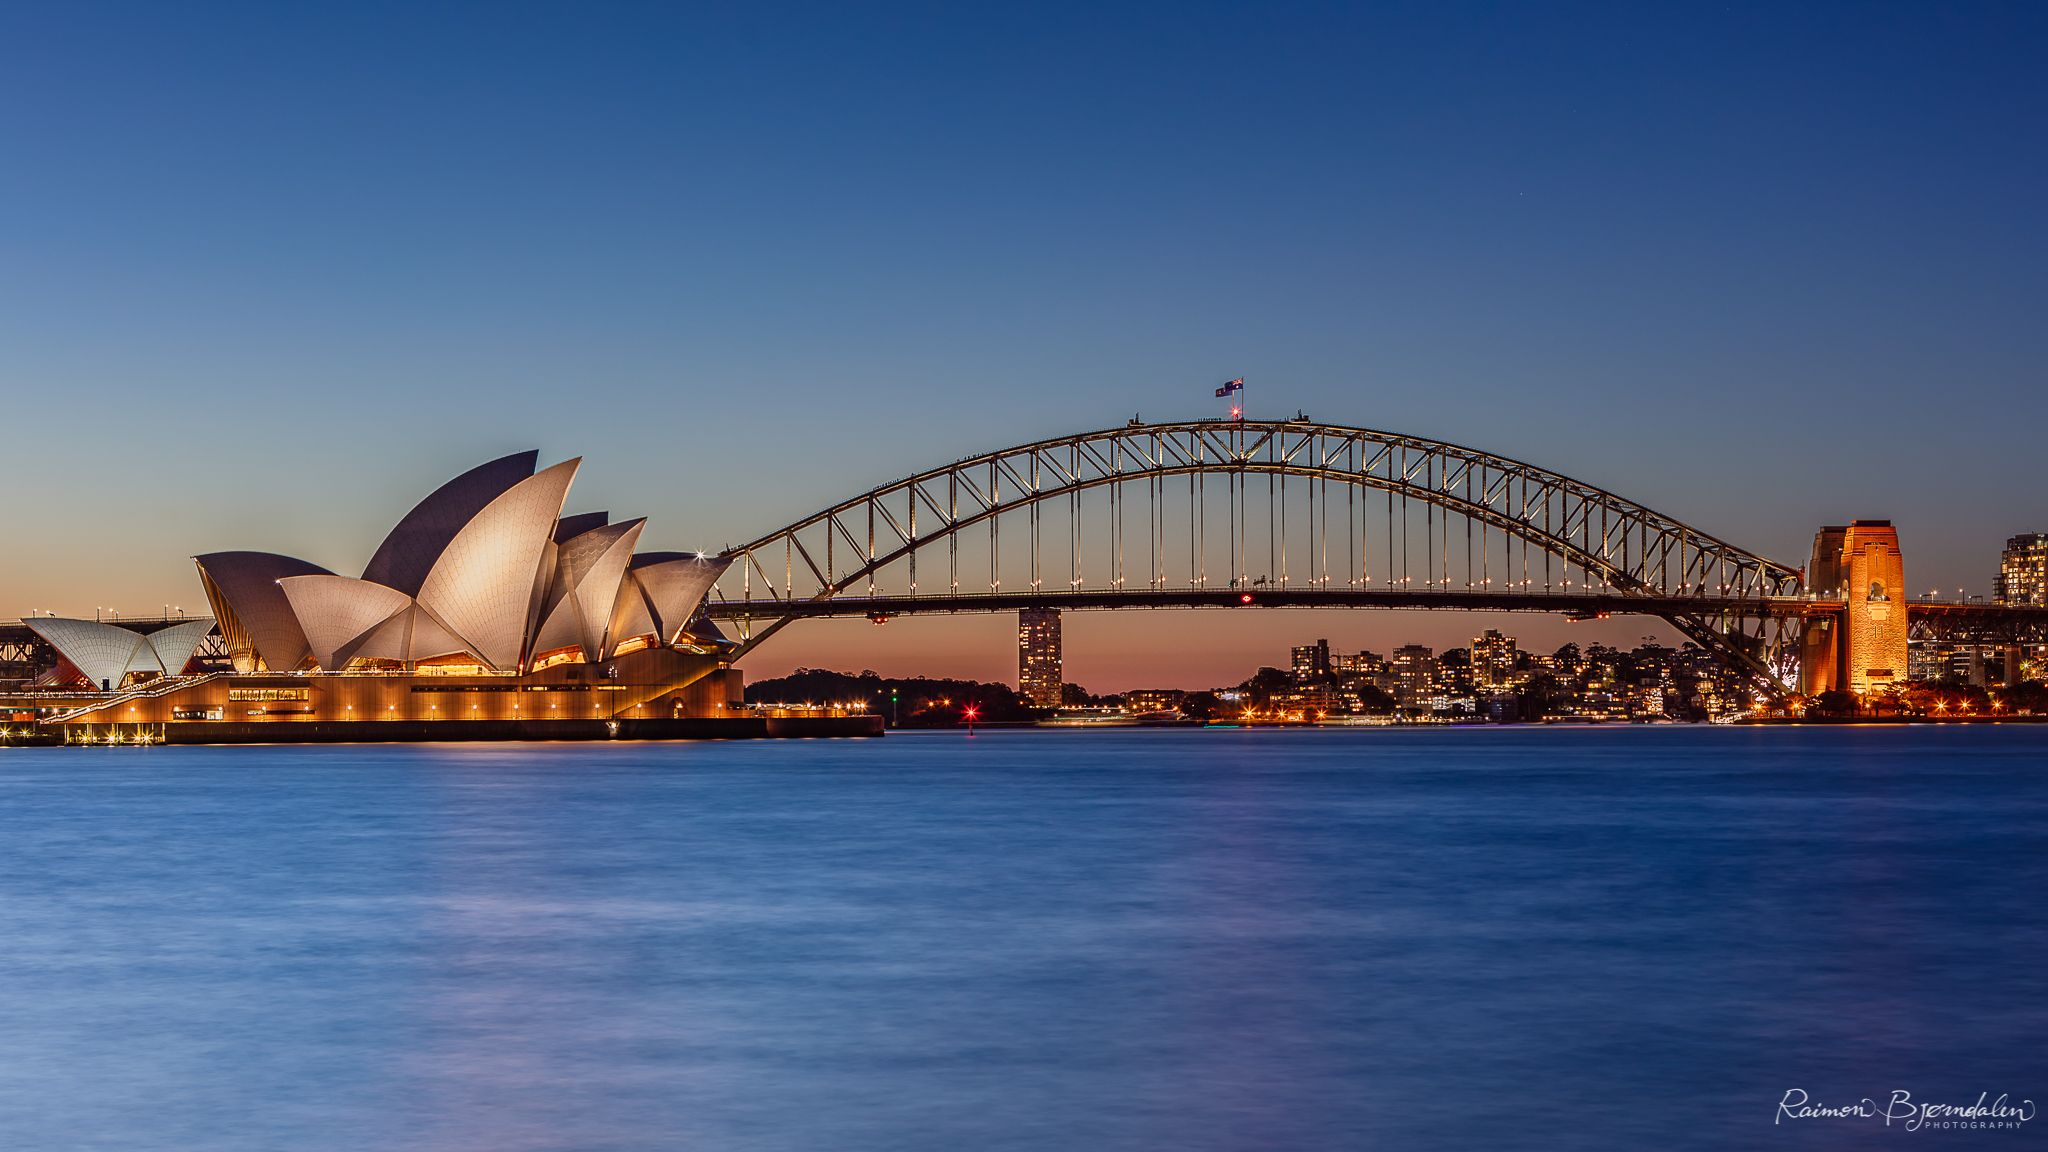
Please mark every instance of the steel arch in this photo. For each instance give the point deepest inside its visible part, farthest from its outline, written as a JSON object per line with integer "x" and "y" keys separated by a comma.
{"x": 1511, "y": 496}
{"x": 1655, "y": 564}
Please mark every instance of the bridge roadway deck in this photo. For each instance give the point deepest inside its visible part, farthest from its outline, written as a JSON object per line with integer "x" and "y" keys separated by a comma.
{"x": 1572, "y": 603}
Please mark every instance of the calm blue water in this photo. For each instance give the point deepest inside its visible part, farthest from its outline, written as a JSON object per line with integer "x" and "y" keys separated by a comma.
{"x": 1473, "y": 939}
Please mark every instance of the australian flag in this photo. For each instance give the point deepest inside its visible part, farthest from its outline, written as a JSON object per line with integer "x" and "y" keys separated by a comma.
{"x": 1236, "y": 385}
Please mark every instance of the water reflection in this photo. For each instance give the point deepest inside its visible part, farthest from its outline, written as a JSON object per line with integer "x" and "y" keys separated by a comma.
{"x": 1186, "y": 940}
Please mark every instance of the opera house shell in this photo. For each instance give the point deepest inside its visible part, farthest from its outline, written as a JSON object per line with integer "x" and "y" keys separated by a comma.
{"x": 483, "y": 574}
{"x": 485, "y": 606}
{"x": 107, "y": 655}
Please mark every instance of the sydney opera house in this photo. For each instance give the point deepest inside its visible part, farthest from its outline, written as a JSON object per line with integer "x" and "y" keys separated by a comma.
{"x": 486, "y": 613}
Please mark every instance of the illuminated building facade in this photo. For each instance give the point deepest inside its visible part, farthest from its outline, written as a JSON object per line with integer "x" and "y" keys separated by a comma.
{"x": 1494, "y": 657}
{"x": 1311, "y": 661}
{"x": 1863, "y": 649}
{"x": 1154, "y": 699}
{"x": 1038, "y": 656}
{"x": 1364, "y": 664}
{"x": 485, "y": 604}
{"x": 2023, "y": 572}
{"x": 1416, "y": 667}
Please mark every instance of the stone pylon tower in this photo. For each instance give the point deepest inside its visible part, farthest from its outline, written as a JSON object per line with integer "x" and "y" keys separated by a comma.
{"x": 1862, "y": 649}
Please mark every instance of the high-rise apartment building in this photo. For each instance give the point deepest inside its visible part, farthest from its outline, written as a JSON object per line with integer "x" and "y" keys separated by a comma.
{"x": 2023, "y": 571}
{"x": 1416, "y": 665}
{"x": 1493, "y": 659}
{"x": 1038, "y": 656}
{"x": 1311, "y": 661}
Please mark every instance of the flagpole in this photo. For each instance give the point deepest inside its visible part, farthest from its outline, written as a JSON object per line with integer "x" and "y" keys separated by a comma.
{"x": 1233, "y": 395}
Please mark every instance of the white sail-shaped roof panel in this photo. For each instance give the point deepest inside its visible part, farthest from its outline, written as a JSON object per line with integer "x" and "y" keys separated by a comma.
{"x": 408, "y": 555}
{"x": 410, "y": 635}
{"x": 247, "y": 581}
{"x": 543, "y": 575}
{"x": 105, "y": 653}
{"x": 483, "y": 584}
{"x": 431, "y": 638}
{"x": 335, "y": 610}
{"x": 574, "y": 556}
{"x": 672, "y": 584}
{"x": 174, "y": 646}
{"x": 588, "y": 571}
{"x": 390, "y": 640}
{"x": 632, "y": 615}
{"x": 598, "y": 591}
{"x": 558, "y": 627}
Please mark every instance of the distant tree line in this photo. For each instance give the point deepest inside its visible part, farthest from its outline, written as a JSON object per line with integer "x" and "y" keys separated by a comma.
{"x": 914, "y": 702}
{"x": 924, "y": 702}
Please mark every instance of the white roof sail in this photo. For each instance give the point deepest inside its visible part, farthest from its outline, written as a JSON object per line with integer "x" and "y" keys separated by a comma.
{"x": 667, "y": 587}
{"x": 390, "y": 640}
{"x": 632, "y": 615}
{"x": 482, "y": 584}
{"x": 410, "y": 635}
{"x": 432, "y": 637}
{"x": 599, "y": 589}
{"x": 104, "y": 652}
{"x": 543, "y": 575}
{"x": 174, "y": 646}
{"x": 588, "y": 573}
{"x": 335, "y": 611}
{"x": 256, "y": 607}
{"x": 408, "y": 555}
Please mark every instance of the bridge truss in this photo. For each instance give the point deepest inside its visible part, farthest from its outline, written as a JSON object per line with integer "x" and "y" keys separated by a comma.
{"x": 1987, "y": 624}
{"x": 1273, "y": 513}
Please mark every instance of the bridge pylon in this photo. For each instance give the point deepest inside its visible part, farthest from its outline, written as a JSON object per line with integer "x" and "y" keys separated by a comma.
{"x": 1861, "y": 648}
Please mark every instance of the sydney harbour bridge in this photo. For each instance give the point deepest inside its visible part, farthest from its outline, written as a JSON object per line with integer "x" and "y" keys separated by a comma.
{"x": 1290, "y": 513}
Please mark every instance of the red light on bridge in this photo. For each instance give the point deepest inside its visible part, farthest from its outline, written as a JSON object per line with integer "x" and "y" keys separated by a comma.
{"x": 1245, "y": 599}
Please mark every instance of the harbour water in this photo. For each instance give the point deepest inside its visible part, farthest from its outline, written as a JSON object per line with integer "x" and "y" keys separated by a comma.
{"x": 1499, "y": 938}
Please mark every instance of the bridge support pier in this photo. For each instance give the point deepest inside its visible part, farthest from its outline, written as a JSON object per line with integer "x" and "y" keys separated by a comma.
{"x": 1862, "y": 648}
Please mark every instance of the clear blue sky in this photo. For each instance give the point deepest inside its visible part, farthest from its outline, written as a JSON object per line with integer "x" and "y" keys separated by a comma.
{"x": 267, "y": 275}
